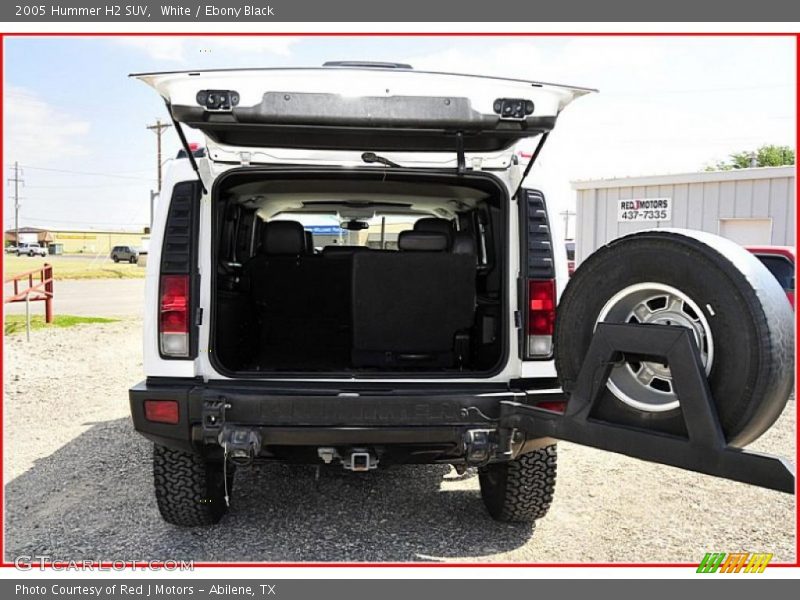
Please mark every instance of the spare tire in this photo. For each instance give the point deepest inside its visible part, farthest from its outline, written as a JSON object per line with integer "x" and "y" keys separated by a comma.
{"x": 739, "y": 315}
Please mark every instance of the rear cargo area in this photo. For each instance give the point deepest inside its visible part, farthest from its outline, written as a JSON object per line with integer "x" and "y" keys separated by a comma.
{"x": 358, "y": 271}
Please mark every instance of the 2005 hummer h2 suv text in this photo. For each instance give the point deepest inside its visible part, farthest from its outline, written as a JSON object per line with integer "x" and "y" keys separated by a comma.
{"x": 359, "y": 272}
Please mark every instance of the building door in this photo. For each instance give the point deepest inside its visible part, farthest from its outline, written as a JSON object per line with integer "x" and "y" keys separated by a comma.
{"x": 747, "y": 232}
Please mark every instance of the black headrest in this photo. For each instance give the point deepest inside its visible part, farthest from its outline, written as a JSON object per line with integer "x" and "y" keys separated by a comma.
{"x": 309, "y": 242}
{"x": 463, "y": 243}
{"x": 442, "y": 226}
{"x": 422, "y": 241}
{"x": 283, "y": 238}
{"x": 337, "y": 250}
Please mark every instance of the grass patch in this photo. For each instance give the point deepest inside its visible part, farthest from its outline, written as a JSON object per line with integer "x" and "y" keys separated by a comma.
{"x": 16, "y": 323}
{"x": 74, "y": 267}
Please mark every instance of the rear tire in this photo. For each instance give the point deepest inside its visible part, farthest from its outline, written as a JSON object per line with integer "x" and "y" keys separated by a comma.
{"x": 742, "y": 310}
{"x": 190, "y": 490}
{"x": 521, "y": 490}
{"x": 115, "y": 259}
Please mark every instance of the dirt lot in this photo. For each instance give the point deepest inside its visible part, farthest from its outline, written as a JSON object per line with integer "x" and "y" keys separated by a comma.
{"x": 78, "y": 487}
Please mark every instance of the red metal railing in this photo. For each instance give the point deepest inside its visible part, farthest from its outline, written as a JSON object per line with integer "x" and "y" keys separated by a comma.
{"x": 42, "y": 291}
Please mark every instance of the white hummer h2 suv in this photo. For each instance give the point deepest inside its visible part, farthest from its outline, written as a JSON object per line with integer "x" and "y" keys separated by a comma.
{"x": 357, "y": 273}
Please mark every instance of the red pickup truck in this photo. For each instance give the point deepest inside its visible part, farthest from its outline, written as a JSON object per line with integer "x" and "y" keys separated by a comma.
{"x": 780, "y": 261}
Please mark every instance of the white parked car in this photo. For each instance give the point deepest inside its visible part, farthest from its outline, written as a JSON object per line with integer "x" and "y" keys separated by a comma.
{"x": 462, "y": 345}
{"x": 32, "y": 249}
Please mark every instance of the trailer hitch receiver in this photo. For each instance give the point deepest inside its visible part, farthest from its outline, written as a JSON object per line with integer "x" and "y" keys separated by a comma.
{"x": 241, "y": 444}
{"x": 479, "y": 446}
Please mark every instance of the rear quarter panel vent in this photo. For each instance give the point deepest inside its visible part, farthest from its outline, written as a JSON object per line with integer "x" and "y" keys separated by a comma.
{"x": 538, "y": 244}
{"x": 178, "y": 250}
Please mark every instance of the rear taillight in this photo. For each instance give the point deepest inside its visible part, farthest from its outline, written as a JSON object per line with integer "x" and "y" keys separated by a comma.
{"x": 161, "y": 411}
{"x": 541, "y": 317}
{"x": 173, "y": 322}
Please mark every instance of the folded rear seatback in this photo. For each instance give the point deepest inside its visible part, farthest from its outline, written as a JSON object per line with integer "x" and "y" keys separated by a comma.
{"x": 408, "y": 306}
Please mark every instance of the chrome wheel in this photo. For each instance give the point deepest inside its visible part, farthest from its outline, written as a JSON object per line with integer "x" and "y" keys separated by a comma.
{"x": 647, "y": 386}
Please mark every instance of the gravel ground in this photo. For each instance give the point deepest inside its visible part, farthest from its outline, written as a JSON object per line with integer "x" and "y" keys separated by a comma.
{"x": 78, "y": 486}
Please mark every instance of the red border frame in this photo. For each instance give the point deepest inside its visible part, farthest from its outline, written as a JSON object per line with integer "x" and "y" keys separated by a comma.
{"x": 795, "y": 35}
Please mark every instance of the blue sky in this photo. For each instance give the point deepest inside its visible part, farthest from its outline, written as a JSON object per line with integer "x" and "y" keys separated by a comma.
{"x": 76, "y": 122}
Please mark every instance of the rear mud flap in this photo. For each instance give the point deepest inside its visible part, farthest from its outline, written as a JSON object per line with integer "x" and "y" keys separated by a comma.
{"x": 703, "y": 450}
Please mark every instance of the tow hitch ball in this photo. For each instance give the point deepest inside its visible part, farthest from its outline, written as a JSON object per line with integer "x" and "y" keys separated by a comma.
{"x": 480, "y": 445}
{"x": 241, "y": 445}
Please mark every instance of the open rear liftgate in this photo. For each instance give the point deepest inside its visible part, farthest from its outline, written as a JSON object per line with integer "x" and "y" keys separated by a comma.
{"x": 704, "y": 450}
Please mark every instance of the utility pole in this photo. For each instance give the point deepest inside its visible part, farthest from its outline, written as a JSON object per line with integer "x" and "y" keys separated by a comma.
{"x": 16, "y": 179}
{"x": 567, "y": 214}
{"x": 159, "y": 127}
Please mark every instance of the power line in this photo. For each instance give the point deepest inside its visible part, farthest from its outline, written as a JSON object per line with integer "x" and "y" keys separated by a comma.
{"x": 71, "y": 172}
{"x": 80, "y": 222}
{"x": 70, "y": 199}
{"x": 80, "y": 186}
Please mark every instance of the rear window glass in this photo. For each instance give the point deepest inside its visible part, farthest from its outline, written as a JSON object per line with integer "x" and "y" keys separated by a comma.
{"x": 328, "y": 231}
{"x": 781, "y": 268}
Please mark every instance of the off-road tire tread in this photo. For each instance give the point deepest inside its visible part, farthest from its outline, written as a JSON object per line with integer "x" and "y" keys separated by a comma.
{"x": 185, "y": 490}
{"x": 520, "y": 490}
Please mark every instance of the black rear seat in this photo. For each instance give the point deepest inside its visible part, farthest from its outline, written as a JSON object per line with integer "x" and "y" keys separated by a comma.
{"x": 277, "y": 279}
{"x": 411, "y": 308}
{"x": 437, "y": 225}
{"x": 352, "y": 306}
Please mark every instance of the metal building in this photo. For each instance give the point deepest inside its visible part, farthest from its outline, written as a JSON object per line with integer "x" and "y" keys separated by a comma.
{"x": 79, "y": 241}
{"x": 749, "y": 206}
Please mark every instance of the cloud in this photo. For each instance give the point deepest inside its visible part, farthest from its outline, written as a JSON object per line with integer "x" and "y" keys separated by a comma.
{"x": 37, "y": 132}
{"x": 576, "y": 62}
{"x": 278, "y": 45}
{"x": 664, "y": 105}
{"x": 512, "y": 59}
{"x": 157, "y": 48}
{"x": 186, "y": 49}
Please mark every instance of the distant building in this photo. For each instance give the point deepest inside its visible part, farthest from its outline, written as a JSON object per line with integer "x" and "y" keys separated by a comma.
{"x": 749, "y": 206}
{"x": 80, "y": 241}
{"x": 329, "y": 235}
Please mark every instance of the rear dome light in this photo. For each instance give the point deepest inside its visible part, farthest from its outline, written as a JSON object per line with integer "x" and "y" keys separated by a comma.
{"x": 161, "y": 411}
{"x": 173, "y": 323}
{"x": 541, "y": 317}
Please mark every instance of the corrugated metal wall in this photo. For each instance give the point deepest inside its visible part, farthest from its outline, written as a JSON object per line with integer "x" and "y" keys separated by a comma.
{"x": 96, "y": 242}
{"x": 699, "y": 201}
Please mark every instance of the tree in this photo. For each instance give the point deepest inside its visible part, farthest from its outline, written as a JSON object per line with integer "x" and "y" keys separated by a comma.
{"x": 766, "y": 156}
